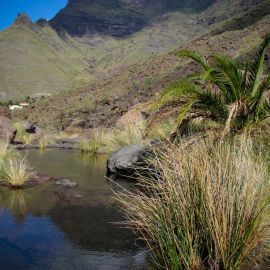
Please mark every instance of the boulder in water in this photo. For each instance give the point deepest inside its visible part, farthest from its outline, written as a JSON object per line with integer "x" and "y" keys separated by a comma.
{"x": 124, "y": 161}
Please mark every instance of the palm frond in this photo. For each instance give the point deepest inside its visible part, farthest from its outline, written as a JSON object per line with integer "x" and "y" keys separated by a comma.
{"x": 256, "y": 69}
{"x": 183, "y": 113}
{"x": 228, "y": 77}
{"x": 245, "y": 78}
{"x": 258, "y": 101}
{"x": 186, "y": 90}
{"x": 198, "y": 58}
{"x": 222, "y": 92}
{"x": 213, "y": 103}
{"x": 206, "y": 74}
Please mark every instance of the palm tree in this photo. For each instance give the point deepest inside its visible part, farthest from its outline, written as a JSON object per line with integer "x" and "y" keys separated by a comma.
{"x": 223, "y": 92}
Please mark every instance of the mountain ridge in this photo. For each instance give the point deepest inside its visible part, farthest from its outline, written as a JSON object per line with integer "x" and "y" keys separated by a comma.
{"x": 104, "y": 102}
{"x": 117, "y": 18}
{"x": 70, "y": 62}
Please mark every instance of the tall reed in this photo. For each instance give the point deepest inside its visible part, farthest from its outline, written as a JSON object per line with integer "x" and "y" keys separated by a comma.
{"x": 6, "y": 153}
{"x": 204, "y": 205}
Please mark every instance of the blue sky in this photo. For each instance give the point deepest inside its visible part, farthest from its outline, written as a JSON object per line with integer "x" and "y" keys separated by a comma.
{"x": 34, "y": 8}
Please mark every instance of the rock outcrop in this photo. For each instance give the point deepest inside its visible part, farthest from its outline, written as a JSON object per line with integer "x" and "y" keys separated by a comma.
{"x": 7, "y": 132}
{"x": 24, "y": 20}
{"x": 5, "y": 112}
{"x": 31, "y": 128}
{"x": 125, "y": 161}
{"x": 116, "y": 18}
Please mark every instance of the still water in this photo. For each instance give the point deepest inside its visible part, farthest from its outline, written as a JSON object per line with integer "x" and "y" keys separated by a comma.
{"x": 53, "y": 228}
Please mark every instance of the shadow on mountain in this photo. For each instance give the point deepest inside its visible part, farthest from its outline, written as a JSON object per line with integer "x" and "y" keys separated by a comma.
{"x": 118, "y": 18}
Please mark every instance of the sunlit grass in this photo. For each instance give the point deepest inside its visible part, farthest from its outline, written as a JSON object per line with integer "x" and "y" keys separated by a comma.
{"x": 27, "y": 138}
{"x": 66, "y": 135}
{"x": 44, "y": 141}
{"x": 6, "y": 153}
{"x": 108, "y": 140}
{"x": 91, "y": 146}
{"x": 132, "y": 133}
{"x": 204, "y": 205}
{"x": 22, "y": 135}
{"x": 17, "y": 172}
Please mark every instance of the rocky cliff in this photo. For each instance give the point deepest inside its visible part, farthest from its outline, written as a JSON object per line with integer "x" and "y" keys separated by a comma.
{"x": 117, "y": 18}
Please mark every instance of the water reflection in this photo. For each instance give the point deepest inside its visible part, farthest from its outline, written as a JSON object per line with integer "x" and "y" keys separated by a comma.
{"x": 51, "y": 227}
{"x": 16, "y": 201}
{"x": 87, "y": 227}
{"x": 94, "y": 160}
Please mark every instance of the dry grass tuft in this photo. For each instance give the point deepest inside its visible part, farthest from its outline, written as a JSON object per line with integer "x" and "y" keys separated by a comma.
{"x": 205, "y": 205}
{"x": 6, "y": 153}
{"x": 17, "y": 172}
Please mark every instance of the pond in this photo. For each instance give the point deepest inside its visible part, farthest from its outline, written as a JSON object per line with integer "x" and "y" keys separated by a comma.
{"x": 51, "y": 227}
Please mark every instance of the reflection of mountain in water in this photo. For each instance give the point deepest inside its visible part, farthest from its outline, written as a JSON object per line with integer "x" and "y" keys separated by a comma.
{"x": 93, "y": 227}
{"x": 52, "y": 227}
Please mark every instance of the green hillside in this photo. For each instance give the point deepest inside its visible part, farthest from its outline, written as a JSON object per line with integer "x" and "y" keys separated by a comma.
{"x": 102, "y": 103}
{"x": 35, "y": 60}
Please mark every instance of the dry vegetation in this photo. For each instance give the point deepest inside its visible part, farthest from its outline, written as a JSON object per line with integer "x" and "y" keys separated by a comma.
{"x": 102, "y": 140}
{"x": 205, "y": 205}
{"x": 13, "y": 168}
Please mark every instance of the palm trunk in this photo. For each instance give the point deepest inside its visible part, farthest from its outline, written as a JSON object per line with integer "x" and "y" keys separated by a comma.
{"x": 231, "y": 117}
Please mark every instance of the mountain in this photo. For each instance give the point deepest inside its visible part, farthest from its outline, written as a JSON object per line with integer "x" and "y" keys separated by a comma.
{"x": 90, "y": 39}
{"x": 117, "y": 18}
{"x": 49, "y": 57}
{"x": 33, "y": 59}
{"x": 103, "y": 102}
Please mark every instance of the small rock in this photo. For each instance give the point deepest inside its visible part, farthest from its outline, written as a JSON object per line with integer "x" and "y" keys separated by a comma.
{"x": 39, "y": 179}
{"x": 67, "y": 183}
{"x": 70, "y": 196}
{"x": 69, "y": 140}
{"x": 30, "y": 127}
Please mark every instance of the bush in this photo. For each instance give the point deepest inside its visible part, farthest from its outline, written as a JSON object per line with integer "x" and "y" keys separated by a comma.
{"x": 205, "y": 205}
{"x": 17, "y": 172}
{"x": 6, "y": 153}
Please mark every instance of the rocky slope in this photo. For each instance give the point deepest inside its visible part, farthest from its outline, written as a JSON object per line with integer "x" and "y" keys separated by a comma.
{"x": 33, "y": 59}
{"x": 37, "y": 59}
{"x": 105, "y": 101}
{"x": 118, "y": 18}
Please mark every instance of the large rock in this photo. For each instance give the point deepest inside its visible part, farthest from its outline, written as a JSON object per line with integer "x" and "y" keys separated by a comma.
{"x": 5, "y": 112}
{"x": 124, "y": 161}
{"x": 7, "y": 132}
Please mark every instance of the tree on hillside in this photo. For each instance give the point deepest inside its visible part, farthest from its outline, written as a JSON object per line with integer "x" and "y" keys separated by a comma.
{"x": 223, "y": 92}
